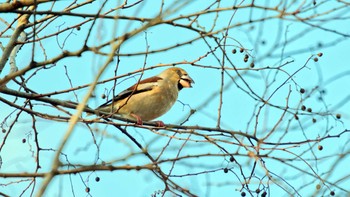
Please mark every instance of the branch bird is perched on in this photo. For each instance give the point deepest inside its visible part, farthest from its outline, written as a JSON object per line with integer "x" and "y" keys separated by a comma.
{"x": 150, "y": 98}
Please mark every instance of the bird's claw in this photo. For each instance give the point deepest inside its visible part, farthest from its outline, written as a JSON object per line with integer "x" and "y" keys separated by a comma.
{"x": 138, "y": 119}
{"x": 159, "y": 123}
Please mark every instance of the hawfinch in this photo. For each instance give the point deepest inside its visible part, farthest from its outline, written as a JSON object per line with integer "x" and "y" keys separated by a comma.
{"x": 150, "y": 98}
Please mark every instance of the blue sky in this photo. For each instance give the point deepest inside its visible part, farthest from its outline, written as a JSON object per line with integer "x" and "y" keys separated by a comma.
{"x": 238, "y": 111}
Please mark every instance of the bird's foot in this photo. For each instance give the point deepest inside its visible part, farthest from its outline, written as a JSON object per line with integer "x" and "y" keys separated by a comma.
{"x": 138, "y": 119}
{"x": 159, "y": 123}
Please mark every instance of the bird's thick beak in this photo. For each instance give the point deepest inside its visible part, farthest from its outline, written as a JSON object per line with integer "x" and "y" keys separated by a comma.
{"x": 186, "y": 81}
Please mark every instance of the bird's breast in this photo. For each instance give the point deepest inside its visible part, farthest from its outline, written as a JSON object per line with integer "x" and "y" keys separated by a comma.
{"x": 149, "y": 105}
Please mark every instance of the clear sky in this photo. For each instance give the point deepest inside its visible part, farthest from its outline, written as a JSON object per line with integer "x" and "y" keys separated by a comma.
{"x": 283, "y": 53}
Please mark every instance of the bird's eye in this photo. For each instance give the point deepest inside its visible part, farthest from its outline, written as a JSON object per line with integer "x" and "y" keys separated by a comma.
{"x": 179, "y": 73}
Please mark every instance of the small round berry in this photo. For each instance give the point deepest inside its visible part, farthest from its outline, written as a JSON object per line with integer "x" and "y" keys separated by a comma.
{"x": 315, "y": 59}
{"x": 241, "y": 50}
{"x": 296, "y": 117}
{"x": 332, "y": 193}
{"x": 103, "y": 96}
{"x": 243, "y": 194}
{"x": 97, "y": 179}
{"x": 252, "y": 65}
{"x": 87, "y": 189}
{"x": 309, "y": 110}
{"x": 320, "y": 54}
{"x": 24, "y": 140}
{"x": 320, "y": 147}
{"x": 264, "y": 194}
{"x": 225, "y": 170}
{"x": 257, "y": 190}
{"x": 303, "y": 107}
{"x": 3, "y": 130}
{"x": 318, "y": 186}
{"x": 245, "y": 59}
{"x": 232, "y": 159}
{"x": 302, "y": 90}
{"x": 314, "y": 120}
{"x": 338, "y": 116}
{"x": 78, "y": 28}
{"x": 234, "y": 51}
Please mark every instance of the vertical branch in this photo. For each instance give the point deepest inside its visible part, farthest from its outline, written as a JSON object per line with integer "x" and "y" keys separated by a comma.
{"x": 22, "y": 22}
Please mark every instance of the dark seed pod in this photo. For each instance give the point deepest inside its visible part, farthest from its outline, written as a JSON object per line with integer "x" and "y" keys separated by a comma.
{"x": 338, "y": 116}
{"x": 320, "y": 147}
{"x": 296, "y": 117}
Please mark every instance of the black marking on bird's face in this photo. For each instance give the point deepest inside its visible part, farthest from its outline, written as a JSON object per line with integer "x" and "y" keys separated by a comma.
{"x": 179, "y": 86}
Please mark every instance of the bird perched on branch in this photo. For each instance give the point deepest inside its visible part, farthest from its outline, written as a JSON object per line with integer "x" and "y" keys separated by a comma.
{"x": 150, "y": 98}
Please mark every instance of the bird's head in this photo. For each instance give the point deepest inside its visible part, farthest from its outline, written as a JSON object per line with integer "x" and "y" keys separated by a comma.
{"x": 179, "y": 76}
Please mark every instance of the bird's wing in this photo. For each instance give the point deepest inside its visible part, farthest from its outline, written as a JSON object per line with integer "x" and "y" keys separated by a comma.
{"x": 143, "y": 86}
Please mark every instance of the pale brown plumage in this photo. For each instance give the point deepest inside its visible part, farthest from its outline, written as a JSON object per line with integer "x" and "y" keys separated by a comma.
{"x": 151, "y": 97}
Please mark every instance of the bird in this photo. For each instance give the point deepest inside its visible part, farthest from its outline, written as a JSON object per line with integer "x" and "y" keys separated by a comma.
{"x": 149, "y": 98}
